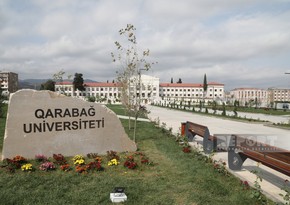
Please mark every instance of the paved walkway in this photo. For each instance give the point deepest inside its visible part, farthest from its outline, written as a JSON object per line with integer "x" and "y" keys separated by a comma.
{"x": 272, "y": 180}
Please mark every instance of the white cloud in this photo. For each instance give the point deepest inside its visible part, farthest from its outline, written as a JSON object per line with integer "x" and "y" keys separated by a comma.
{"x": 234, "y": 42}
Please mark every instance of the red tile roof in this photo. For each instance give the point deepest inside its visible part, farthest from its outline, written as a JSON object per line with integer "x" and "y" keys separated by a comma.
{"x": 91, "y": 84}
{"x": 104, "y": 84}
{"x": 187, "y": 84}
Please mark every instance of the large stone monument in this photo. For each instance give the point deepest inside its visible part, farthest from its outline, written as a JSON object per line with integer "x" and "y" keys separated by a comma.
{"x": 44, "y": 122}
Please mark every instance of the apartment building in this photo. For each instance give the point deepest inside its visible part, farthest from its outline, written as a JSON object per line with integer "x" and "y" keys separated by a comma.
{"x": 9, "y": 82}
{"x": 250, "y": 96}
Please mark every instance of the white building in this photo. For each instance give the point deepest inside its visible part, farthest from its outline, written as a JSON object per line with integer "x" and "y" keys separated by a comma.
{"x": 152, "y": 91}
{"x": 250, "y": 96}
{"x": 279, "y": 98}
{"x": 190, "y": 92}
{"x": 149, "y": 88}
{"x": 111, "y": 92}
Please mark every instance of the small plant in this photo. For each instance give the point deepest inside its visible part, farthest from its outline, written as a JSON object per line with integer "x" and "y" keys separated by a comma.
{"x": 220, "y": 166}
{"x": 65, "y": 167}
{"x": 47, "y": 166}
{"x": 245, "y": 185}
{"x": 59, "y": 159}
{"x": 92, "y": 155}
{"x": 94, "y": 166}
{"x": 257, "y": 191}
{"x": 163, "y": 127}
{"x": 113, "y": 162}
{"x": 19, "y": 159}
{"x": 78, "y": 160}
{"x": 286, "y": 189}
{"x": 81, "y": 169}
{"x": 40, "y": 158}
{"x": 130, "y": 163}
{"x": 27, "y": 168}
{"x": 143, "y": 158}
{"x": 186, "y": 149}
{"x": 10, "y": 165}
{"x": 112, "y": 155}
{"x": 99, "y": 159}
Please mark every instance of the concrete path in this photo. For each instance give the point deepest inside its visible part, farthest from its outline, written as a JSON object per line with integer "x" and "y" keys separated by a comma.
{"x": 272, "y": 180}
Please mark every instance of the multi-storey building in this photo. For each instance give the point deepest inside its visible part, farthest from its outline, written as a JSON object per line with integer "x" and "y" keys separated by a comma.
{"x": 279, "y": 98}
{"x": 151, "y": 91}
{"x": 111, "y": 92}
{"x": 9, "y": 82}
{"x": 191, "y": 92}
{"x": 250, "y": 96}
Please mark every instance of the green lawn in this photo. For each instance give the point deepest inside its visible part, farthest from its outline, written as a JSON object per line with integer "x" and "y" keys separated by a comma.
{"x": 174, "y": 178}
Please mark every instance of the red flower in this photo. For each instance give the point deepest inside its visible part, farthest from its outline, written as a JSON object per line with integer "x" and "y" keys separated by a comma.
{"x": 65, "y": 167}
{"x": 186, "y": 149}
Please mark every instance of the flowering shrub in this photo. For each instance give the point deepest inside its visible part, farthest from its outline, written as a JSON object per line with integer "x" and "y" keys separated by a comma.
{"x": 81, "y": 169}
{"x": 98, "y": 159}
{"x": 65, "y": 167}
{"x": 245, "y": 184}
{"x": 19, "y": 159}
{"x": 112, "y": 155}
{"x": 40, "y": 158}
{"x": 94, "y": 166}
{"x": 92, "y": 155}
{"x": 27, "y": 168}
{"x": 129, "y": 163}
{"x": 186, "y": 149}
{"x": 220, "y": 166}
{"x": 47, "y": 166}
{"x": 144, "y": 159}
{"x": 113, "y": 162}
{"x": 59, "y": 159}
{"x": 79, "y": 160}
{"x": 10, "y": 165}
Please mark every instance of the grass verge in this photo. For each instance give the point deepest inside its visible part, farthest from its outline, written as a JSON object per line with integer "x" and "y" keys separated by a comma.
{"x": 175, "y": 178}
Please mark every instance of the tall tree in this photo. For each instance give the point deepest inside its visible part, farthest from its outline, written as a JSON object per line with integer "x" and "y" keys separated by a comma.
{"x": 204, "y": 88}
{"x": 179, "y": 80}
{"x": 204, "y": 83}
{"x": 78, "y": 82}
{"x": 171, "y": 80}
{"x": 129, "y": 75}
{"x": 48, "y": 85}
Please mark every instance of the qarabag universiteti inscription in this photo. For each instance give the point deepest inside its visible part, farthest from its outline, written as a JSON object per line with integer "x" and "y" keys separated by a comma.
{"x": 44, "y": 122}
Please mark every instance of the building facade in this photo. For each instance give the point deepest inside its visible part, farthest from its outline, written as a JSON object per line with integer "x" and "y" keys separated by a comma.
{"x": 190, "y": 92}
{"x": 9, "y": 82}
{"x": 279, "y": 98}
{"x": 151, "y": 91}
{"x": 111, "y": 92}
{"x": 250, "y": 96}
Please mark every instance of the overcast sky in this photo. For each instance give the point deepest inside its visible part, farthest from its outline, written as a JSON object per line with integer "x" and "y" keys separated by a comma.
{"x": 241, "y": 43}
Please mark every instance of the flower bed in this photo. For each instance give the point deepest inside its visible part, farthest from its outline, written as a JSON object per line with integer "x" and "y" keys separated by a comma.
{"x": 92, "y": 163}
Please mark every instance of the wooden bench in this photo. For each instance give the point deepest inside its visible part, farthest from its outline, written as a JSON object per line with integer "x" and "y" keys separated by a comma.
{"x": 190, "y": 130}
{"x": 271, "y": 156}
